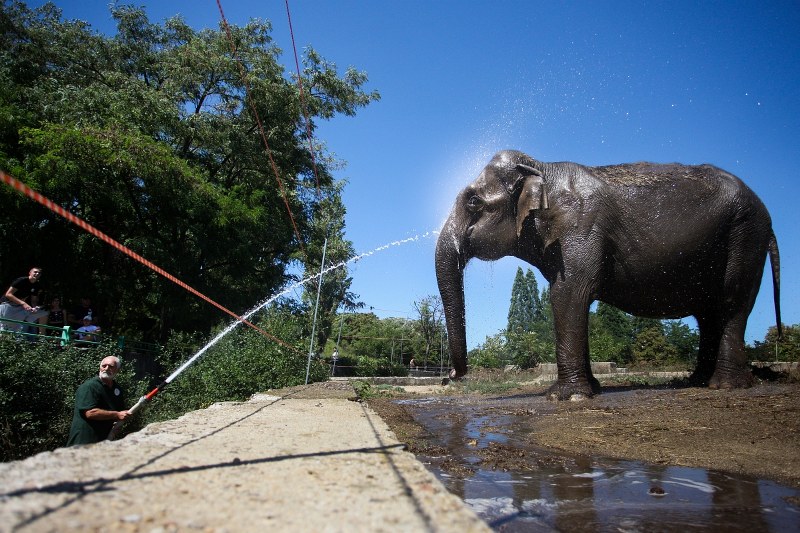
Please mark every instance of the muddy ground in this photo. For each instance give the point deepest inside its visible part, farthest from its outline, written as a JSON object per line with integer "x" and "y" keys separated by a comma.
{"x": 753, "y": 431}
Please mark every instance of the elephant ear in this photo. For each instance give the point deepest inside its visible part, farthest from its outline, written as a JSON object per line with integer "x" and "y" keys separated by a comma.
{"x": 532, "y": 196}
{"x": 551, "y": 222}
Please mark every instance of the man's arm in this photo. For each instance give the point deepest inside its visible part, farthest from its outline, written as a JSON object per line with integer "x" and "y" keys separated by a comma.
{"x": 12, "y": 297}
{"x": 103, "y": 414}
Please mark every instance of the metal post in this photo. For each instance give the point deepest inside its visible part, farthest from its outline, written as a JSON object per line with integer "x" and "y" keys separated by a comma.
{"x": 336, "y": 349}
{"x": 316, "y": 308}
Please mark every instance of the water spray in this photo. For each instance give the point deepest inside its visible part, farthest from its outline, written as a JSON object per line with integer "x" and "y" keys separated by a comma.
{"x": 316, "y": 308}
{"x": 150, "y": 395}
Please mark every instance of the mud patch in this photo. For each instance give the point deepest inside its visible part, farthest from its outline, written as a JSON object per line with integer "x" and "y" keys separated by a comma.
{"x": 632, "y": 458}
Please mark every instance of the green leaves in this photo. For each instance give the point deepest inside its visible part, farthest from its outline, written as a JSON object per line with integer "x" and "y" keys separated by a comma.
{"x": 152, "y": 136}
{"x": 37, "y": 392}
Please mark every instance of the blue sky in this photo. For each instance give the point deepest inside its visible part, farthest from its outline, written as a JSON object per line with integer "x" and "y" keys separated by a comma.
{"x": 592, "y": 82}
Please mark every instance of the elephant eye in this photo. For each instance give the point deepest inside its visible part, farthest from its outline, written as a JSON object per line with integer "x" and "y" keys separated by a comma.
{"x": 474, "y": 204}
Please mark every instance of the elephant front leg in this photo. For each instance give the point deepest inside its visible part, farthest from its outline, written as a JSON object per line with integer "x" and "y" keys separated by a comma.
{"x": 575, "y": 380}
{"x": 710, "y": 335}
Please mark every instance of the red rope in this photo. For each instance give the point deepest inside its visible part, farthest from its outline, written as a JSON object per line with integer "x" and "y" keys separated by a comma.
{"x": 303, "y": 103}
{"x": 38, "y": 197}
{"x": 253, "y": 109}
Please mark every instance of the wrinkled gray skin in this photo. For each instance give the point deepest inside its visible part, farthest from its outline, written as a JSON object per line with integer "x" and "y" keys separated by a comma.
{"x": 660, "y": 241}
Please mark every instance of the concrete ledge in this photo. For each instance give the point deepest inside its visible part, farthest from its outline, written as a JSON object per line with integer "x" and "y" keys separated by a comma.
{"x": 776, "y": 366}
{"x": 396, "y": 380}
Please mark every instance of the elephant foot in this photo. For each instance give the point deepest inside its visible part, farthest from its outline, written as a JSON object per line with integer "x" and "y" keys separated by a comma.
{"x": 699, "y": 379}
{"x": 738, "y": 379}
{"x": 455, "y": 375}
{"x": 574, "y": 392}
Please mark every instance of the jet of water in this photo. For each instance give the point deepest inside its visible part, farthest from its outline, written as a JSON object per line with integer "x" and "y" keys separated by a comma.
{"x": 289, "y": 289}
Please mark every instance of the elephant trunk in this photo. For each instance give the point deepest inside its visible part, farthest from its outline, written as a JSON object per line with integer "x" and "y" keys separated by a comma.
{"x": 450, "y": 263}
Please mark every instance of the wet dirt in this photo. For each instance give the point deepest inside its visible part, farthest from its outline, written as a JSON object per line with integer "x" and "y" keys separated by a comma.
{"x": 630, "y": 458}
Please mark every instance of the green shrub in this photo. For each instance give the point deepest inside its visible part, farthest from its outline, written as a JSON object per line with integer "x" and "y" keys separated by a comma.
{"x": 378, "y": 366}
{"x": 38, "y": 380}
{"x": 37, "y": 392}
{"x": 241, "y": 364}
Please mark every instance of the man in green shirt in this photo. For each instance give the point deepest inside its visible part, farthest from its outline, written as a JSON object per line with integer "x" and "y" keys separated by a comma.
{"x": 98, "y": 404}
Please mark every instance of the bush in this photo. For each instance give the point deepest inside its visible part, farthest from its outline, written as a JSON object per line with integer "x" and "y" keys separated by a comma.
{"x": 241, "y": 364}
{"x": 38, "y": 380}
{"x": 37, "y": 392}
{"x": 378, "y": 366}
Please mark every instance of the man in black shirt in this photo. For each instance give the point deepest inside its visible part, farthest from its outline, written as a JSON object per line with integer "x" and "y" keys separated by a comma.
{"x": 21, "y": 301}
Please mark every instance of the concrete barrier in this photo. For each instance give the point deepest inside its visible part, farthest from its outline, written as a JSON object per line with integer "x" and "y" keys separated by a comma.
{"x": 599, "y": 367}
{"x": 776, "y": 366}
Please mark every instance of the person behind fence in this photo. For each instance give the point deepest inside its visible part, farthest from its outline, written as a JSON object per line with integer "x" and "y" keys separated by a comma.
{"x": 56, "y": 317}
{"x": 21, "y": 302}
{"x": 88, "y": 331}
{"x": 99, "y": 403}
{"x": 86, "y": 307}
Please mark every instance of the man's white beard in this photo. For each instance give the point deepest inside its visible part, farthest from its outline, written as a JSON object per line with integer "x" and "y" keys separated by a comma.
{"x": 106, "y": 375}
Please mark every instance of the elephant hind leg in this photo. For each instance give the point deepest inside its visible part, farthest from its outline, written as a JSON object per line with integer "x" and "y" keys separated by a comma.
{"x": 594, "y": 383}
{"x": 710, "y": 336}
{"x": 732, "y": 371}
{"x": 742, "y": 281}
{"x": 574, "y": 388}
{"x": 721, "y": 361}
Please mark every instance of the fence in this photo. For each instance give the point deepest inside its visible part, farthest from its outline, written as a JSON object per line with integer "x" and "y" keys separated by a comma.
{"x": 141, "y": 354}
{"x": 31, "y": 331}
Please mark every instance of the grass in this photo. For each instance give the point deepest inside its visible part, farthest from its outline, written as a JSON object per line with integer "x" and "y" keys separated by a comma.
{"x": 365, "y": 390}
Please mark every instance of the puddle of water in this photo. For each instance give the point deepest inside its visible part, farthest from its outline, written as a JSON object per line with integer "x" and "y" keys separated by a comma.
{"x": 560, "y": 493}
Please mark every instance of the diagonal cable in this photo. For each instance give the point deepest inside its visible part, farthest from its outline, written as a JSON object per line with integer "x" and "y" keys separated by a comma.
{"x": 303, "y": 104}
{"x": 253, "y": 109}
{"x": 43, "y": 200}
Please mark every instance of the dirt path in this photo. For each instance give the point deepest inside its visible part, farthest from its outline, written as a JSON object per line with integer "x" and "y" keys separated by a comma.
{"x": 296, "y": 462}
{"x": 753, "y": 431}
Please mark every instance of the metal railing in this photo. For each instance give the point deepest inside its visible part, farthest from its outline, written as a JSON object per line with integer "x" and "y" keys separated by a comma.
{"x": 25, "y": 330}
{"x": 67, "y": 335}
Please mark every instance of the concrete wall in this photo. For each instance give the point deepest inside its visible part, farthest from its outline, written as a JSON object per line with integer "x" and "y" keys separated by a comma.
{"x": 602, "y": 367}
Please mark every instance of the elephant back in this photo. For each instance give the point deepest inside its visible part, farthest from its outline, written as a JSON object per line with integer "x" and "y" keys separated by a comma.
{"x": 644, "y": 174}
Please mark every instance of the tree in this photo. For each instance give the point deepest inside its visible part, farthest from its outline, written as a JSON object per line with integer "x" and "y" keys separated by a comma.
{"x": 787, "y": 348}
{"x": 327, "y": 235}
{"x": 639, "y": 324}
{"x": 527, "y": 330}
{"x": 491, "y": 354}
{"x": 604, "y": 346}
{"x": 617, "y": 323}
{"x": 685, "y": 340}
{"x": 544, "y": 328}
{"x": 521, "y": 309}
{"x": 651, "y": 347}
{"x": 526, "y": 305}
{"x": 610, "y": 334}
{"x": 537, "y": 312}
{"x": 151, "y": 136}
{"x": 430, "y": 324}
{"x": 371, "y": 346}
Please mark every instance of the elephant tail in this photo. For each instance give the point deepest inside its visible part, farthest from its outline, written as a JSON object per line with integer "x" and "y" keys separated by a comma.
{"x": 775, "y": 263}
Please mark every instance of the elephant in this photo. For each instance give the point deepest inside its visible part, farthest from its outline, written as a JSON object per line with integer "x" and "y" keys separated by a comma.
{"x": 654, "y": 240}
